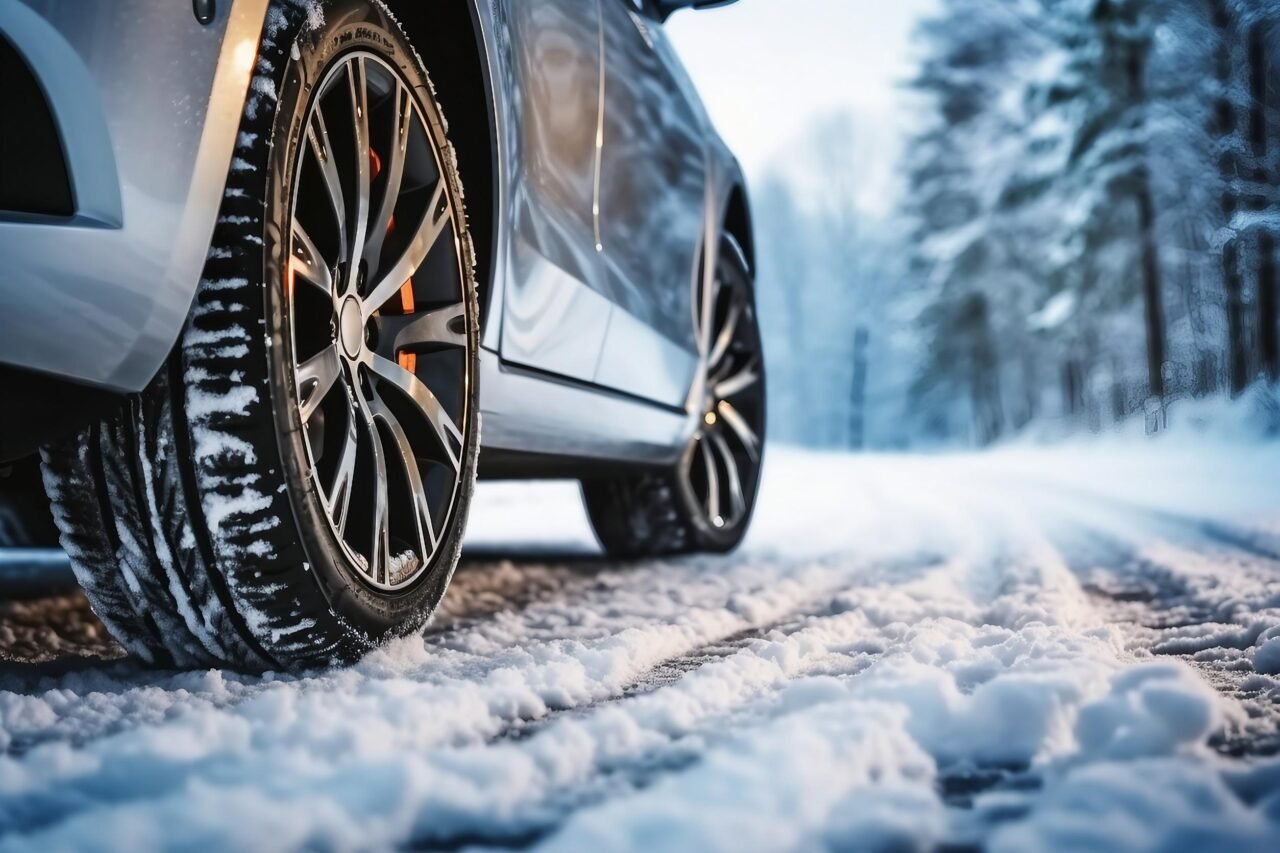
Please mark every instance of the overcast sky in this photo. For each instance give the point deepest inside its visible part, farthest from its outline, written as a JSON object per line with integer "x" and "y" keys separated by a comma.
{"x": 768, "y": 69}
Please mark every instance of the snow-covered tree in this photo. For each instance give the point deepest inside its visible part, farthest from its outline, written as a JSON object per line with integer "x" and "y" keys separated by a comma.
{"x": 1094, "y": 207}
{"x": 976, "y": 286}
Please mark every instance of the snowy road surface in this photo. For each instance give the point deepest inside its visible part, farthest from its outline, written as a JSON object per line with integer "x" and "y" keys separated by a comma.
{"x": 1030, "y": 650}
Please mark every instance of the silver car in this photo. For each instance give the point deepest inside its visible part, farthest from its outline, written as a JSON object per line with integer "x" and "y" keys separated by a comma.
{"x": 269, "y": 266}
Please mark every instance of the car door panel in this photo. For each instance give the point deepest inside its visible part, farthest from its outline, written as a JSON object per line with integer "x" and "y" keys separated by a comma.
{"x": 651, "y": 211}
{"x": 552, "y": 318}
{"x": 553, "y": 321}
{"x": 641, "y": 361}
{"x": 653, "y": 174}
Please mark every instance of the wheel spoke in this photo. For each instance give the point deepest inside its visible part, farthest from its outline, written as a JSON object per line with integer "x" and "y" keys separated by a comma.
{"x": 359, "y": 89}
{"x": 737, "y": 499}
{"x": 422, "y": 510}
{"x": 307, "y": 263}
{"x": 737, "y": 383}
{"x": 429, "y": 230}
{"x": 713, "y": 483}
{"x": 380, "y": 538}
{"x": 318, "y": 136}
{"x": 412, "y": 387}
{"x": 339, "y": 497}
{"x": 316, "y": 377}
{"x": 737, "y": 423}
{"x": 393, "y": 168}
{"x": 725, "y": 338}
{"x": 438, "y": 328}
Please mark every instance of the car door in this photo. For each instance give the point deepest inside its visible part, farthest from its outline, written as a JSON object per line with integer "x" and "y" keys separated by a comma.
{"x": 554, "y": 316}
{"x": 652, "y": 201}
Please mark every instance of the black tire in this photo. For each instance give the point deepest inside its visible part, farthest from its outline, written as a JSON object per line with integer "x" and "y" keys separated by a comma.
{"x": 661, "y": 512}
{"x": 191, "y": 515}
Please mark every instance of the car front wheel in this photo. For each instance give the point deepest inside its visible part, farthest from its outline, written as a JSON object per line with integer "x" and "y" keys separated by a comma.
{"x": 292, "y": 488}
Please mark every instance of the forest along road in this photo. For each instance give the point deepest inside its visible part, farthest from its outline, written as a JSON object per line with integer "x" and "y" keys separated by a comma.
{"x": 1029, "y": 649}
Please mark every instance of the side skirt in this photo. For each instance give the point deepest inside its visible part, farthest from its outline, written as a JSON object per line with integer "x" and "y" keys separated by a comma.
{"x": 539, "y": 425}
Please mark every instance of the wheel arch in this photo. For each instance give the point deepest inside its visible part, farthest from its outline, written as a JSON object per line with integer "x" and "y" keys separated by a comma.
{"x": 460, "y": 74}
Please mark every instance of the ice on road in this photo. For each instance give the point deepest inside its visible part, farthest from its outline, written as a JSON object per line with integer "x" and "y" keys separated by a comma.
{"x": 1024, "y": 650}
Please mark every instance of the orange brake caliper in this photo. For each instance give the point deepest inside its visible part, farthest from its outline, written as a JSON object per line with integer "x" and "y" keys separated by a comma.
{"x": 407, "y": 360}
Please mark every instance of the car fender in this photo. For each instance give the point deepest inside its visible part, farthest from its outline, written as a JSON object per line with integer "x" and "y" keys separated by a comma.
{"x": 99, "y": 297}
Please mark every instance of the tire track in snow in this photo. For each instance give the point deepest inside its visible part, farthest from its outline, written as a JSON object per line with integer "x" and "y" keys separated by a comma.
{"x": 627, "y": 771}
{"x": 822, "y": 607}
{"x": 984, "y": 571}
{"x": 1146, "y": 586}
{"x": 677, "y": 749}
{"x": 823, "y": 604}
{"x": 473, "y": 651}
{"x": 676, "y": 721}
{"x": 1257, "y": 543}
{"x": 487, "y": 584}
{"x": 1198, "y": 589}
{"x": 1173, "y": 562}
{"x": 680, "y": 751}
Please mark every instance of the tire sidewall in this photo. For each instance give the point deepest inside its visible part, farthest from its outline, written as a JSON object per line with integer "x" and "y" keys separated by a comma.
{"x": 351, "y": 25}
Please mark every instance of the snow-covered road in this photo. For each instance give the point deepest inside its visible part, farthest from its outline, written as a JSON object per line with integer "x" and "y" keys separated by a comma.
{"x": 1053, "y": 650}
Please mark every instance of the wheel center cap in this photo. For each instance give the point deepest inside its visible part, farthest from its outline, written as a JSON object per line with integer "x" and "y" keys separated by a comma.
{"x": 351, "y": 327}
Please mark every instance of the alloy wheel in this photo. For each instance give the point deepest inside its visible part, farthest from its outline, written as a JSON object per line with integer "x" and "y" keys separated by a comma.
{"x": 379, "y": 319}
{"x": 721, "y": 465}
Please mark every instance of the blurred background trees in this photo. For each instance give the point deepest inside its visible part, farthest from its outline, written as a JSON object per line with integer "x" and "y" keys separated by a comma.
{"x": 1087, "y": 230}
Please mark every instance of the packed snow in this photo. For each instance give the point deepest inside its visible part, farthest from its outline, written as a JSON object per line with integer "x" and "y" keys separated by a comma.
{"x": 1024, "y": 650}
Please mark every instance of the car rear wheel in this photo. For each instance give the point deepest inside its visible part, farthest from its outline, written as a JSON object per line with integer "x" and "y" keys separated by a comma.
{"x": 706, "y": 500}
{"x": 292, "y": 488}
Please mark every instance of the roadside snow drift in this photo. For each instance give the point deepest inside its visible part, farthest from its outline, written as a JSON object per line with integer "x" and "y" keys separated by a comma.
{"x": 1030, "y": 650}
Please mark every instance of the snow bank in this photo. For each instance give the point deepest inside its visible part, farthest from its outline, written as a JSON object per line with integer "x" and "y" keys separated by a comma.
{"x": 1253, "y": 418}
